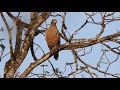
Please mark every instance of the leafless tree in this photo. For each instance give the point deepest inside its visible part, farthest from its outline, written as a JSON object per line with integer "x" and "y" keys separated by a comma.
{"x": 79, "y": 47}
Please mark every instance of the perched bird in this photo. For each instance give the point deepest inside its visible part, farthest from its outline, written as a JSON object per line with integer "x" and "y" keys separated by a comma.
{"x": 52, "y": 37}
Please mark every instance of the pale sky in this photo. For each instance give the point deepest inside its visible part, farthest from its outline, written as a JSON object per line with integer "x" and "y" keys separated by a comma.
{"x": 73, "y": 21}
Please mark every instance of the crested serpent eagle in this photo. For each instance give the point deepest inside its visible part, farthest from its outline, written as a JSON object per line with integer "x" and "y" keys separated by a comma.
{"x": 52, "y": 37}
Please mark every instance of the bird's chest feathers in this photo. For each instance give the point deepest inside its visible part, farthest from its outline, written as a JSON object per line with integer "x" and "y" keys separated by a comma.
{"x": 52, "y": 36}
{"x": 52, "y": 32}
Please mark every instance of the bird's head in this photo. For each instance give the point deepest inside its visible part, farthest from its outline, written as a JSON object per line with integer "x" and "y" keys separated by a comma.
{"x": 53, "y": 22}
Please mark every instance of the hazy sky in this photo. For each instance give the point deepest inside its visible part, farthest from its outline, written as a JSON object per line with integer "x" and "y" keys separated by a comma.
{"x": 73, "y": 21}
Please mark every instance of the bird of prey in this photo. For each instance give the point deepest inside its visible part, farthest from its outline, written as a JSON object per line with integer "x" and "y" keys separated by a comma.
{"x": 52, "y": 37}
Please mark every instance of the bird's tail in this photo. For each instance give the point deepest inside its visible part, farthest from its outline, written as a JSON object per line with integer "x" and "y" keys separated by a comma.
{"x": 56, "y": 56}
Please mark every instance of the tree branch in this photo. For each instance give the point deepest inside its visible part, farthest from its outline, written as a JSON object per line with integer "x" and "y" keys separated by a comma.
{"x": 9, "y": 34}
{"x": 13, "y": 66}
{"x": 19, "y": 22}
{"x": 74, "y": 45}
